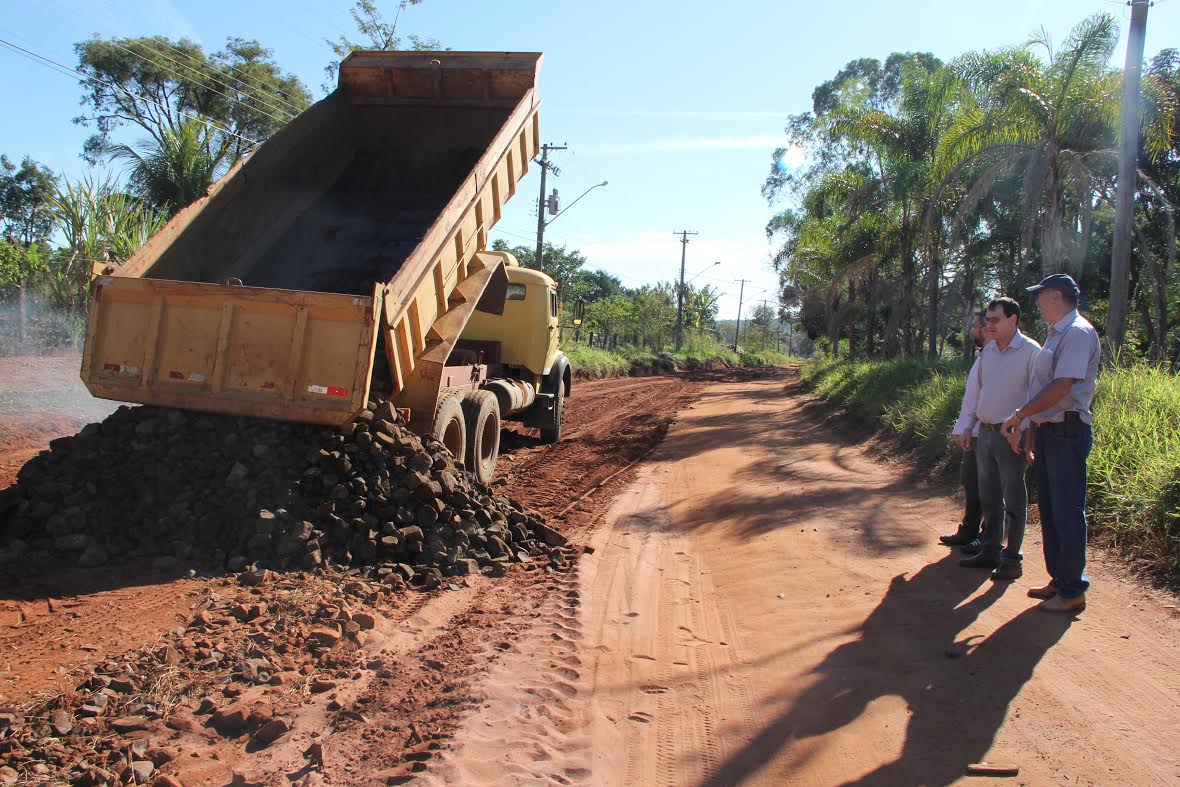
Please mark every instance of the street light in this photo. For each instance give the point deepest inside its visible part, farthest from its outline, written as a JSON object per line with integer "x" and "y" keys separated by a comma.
{"x": 551, "y": 203}
{"x": 575, "y": 202}
{"x": 698, "y": 273}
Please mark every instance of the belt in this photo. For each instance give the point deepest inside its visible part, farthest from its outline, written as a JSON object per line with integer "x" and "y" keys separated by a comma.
{"x": 1069, "y": 426}
{"x": 993, "y": 427}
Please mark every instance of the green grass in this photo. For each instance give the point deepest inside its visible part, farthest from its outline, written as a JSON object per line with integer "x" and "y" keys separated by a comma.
{"x": 1134, "y": 483}
{"x": 696, "y": 352}
{"x": 595, "y": 363}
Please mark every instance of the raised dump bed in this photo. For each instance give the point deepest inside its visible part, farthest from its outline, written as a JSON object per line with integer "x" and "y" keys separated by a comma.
{"x": 363, "y": 222}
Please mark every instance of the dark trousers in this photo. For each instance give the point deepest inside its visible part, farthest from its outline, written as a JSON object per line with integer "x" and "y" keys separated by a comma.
{"x": 1062, "y": 450}
{"x": 1003, "y": 493}
{"x": 973, "y": 509}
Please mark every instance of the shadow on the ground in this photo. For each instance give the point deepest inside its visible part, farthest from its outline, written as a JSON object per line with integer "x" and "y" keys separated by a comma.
{"x": 957, "y": 690}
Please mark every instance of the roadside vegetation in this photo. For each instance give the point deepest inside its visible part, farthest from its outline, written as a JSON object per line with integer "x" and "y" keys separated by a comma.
{"x": 1134, "y": 481}
{"x": 928, "y": 187}
{"x": 698, "y": 352}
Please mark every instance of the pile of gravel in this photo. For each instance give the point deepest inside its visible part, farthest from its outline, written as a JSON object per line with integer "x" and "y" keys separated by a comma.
{"x": 229, "y": 493}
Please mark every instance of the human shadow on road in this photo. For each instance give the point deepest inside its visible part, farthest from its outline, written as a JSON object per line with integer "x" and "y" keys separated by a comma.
{"x": 957, "y": 691}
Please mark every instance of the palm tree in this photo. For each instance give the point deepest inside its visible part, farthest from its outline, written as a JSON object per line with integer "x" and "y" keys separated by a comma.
{"x": 102, "y": 226}
{"x": 1050, "y": 123}
{"x": 905, "y": 141}
{"x": 178, "y": 168}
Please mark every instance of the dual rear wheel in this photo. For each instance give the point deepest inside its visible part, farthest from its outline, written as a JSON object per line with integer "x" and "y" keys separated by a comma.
{"x": 468, "y": 424}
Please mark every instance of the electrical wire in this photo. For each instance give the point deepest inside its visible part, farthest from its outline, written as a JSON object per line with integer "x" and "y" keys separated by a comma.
{"x": 201, "y": 76}
{"x": 276, "y": 103}
{"x": 67, "y": 71}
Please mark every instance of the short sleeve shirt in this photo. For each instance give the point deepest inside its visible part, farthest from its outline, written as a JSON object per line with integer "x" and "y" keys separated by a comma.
{"x": 1072, "y": 351}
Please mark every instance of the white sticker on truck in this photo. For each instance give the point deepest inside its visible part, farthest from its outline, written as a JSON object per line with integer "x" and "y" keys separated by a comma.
{"x": 317, "y": 389}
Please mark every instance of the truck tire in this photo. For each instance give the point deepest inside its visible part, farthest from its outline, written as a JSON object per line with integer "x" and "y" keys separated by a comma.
{"x": 450, "y": 427}
{"x": 551, "y": 432}
{"x": 482, "y": 409}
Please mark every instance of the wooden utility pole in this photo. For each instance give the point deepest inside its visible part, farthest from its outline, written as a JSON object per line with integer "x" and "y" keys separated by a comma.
{"x": 545, "y": 167}
{"x": 680, "y": 290}
{"x": 737, "y": 328}
{"x": 1120, "y": 258}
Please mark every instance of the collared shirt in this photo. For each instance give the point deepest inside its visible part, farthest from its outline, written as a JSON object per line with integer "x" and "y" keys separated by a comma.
{"x": 967, "y": 422}
{"x": 1003, "y": 378}
{"x": 1071, "y": 351}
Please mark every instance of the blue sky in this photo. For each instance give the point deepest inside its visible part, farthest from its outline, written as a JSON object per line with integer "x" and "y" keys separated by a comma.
{"x": 677, "y": 105}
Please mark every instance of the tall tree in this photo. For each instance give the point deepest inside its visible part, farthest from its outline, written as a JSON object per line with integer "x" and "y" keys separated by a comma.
{"x": 25, "y": 194}
{"x": 27, "y": 218}
{"x": 376, "y": 33}
{"x": 156, "y": 84}
{"x": 1050, "y": 122}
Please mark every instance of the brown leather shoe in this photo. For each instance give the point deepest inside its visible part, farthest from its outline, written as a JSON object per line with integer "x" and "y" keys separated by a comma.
{"x": 1044, "y": 591}
{"x": 1060, "y": 603}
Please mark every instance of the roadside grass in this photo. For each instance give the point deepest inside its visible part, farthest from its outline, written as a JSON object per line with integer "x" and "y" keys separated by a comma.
{"x": 1134, "y": 468}
{"x": 594, "y": 363}
{"x": 697, "y": 352}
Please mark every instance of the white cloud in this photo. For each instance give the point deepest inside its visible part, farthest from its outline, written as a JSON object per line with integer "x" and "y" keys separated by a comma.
{"x": 691, "y": 144}
{"x": 674, "y": 113}
{"x": 651, "y": 256}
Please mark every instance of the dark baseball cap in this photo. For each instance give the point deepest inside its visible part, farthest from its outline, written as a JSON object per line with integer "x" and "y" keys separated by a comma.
{"x": 1062, "y": 282}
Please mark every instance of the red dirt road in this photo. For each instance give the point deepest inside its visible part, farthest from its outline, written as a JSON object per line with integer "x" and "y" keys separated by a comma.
{"x": 766, "y": 604}
{"x": 760, "y": 602}
{"x": 54, "y": 628}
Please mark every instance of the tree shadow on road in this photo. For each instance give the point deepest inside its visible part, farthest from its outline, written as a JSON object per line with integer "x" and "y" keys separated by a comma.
{"x": 958, "y": 692}
{"x": 805, "y": 468}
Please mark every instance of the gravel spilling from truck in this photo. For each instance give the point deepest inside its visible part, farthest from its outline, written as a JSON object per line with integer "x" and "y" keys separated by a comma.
{"x": 223, "y": 493}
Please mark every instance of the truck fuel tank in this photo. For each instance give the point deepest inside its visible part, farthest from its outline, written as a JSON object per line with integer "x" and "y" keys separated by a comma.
{"x": 513, "y": 395}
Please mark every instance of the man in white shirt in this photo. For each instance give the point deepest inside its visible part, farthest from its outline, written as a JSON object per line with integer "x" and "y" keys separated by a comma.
{"x": 1005, "y": 367}
{"x": 967, "y": 534}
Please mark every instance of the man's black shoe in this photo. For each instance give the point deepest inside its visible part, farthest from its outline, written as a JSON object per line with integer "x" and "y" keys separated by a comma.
{"x": 980, "y": 561}
{"x": 972, "y": 548}
{"x": 1008, "y": 571}
{"x": 956, "y": 539}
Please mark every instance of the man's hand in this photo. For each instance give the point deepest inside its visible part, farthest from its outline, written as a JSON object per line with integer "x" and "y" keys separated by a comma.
{"x": 1012, "y": 425}
{"x": 965, "y": 441}
{"x": 1015, "y": 438}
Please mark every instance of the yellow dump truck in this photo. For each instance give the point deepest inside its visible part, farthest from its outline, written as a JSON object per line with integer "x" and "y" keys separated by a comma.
{"x": 361, "y": 225}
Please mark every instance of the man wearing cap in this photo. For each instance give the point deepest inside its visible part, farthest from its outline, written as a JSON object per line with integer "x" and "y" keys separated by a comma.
{"x": 1060, "y": 394}
{"x": 1005, "y": 368}
{"x": 965, "y": 432}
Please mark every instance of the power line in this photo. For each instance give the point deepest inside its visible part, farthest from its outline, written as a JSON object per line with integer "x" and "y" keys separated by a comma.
{"x": 513, "y": 234}
{"x": 67, "y": 71}
{"x": 210, "y": 75}
{"x": 272, "y": 102}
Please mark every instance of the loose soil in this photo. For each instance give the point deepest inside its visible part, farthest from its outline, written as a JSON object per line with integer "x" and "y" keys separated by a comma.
{"x": 759, "y": 600}
{"x": 59, "y": 628}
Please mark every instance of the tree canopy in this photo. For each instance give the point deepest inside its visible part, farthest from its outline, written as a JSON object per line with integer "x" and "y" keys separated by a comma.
{"x": 929, "y": 187}
{"x": 156, "y": 84}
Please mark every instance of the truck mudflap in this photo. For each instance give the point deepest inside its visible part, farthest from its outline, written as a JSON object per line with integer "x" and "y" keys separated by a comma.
{"x": 269, "y": 353}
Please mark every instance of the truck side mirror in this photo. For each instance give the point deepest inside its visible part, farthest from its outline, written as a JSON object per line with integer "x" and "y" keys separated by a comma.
{"x": 579, "y": 311}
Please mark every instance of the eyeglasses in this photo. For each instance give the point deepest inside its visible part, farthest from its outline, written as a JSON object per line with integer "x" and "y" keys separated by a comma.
{"x": 994, "y": 320}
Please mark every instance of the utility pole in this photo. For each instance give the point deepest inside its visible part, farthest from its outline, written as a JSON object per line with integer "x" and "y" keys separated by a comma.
{"x": 737, "y": 329}
{"x": 764, "y": 301}
{"x": 545, "y": 167}
{"x": 680, "y": 291}
{"x": 1120, "y": 258}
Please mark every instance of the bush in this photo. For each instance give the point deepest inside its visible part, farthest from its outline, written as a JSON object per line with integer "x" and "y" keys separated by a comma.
{"x": 594, "y": 363}
{"x": 697, "y": 352}
{"x": 1134, "y": 483}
